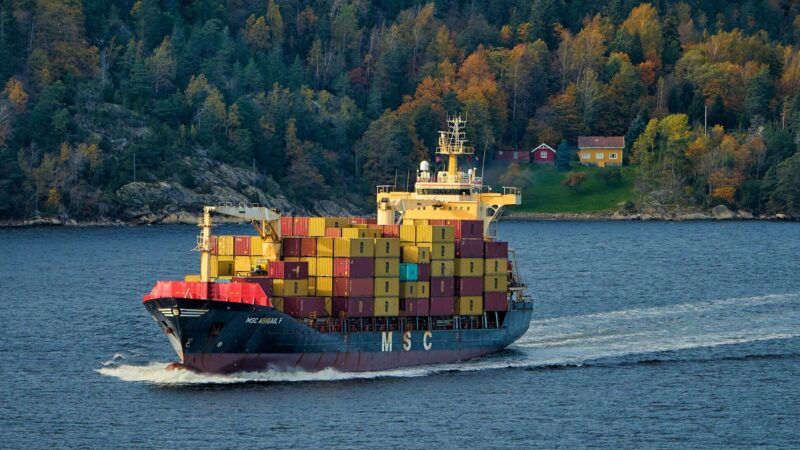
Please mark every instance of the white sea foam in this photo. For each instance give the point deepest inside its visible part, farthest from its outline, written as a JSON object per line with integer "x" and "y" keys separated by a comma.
{"x": 561, "y": 341}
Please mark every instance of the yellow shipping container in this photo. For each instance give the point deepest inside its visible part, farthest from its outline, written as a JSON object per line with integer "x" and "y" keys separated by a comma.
{"x": 435, "y": 233}
{"x": 495, "y": 266}
{"x": 225, "y": 245}
{"x": 241, "y": 264}
{"x": 415, "y": 289}
{"x": 277, "y": 303}
{"x": 221, "y": 266}
{"x": 271, "y": 250}
{"x": 469, "y": 267}
{"x": 325, "y": 247}
{"x": 191, "y": 278}
{"x": 354, "y": 232}
{"x": 256, "y": 247}
{"x": 318, "y": 225}
{"x": 387, "y": 267}
{"x": 416, "y": 222}
{"x": 387, "y": 307}
{"x": 423, "y": 289}
{"x": 312, "y": 286}
{"x": 442, "y": 268}
{"x": 353, "y": 248}
{"x": 416, "y": 255}
{"x": 387, "y": 287}
{"x": 440, "y": 250}
{"x": 469, "y": 306}
{"x": 292, "y": 259}
{"x": 324, "y": 286}
{"x": 290, "y": 288}
{"x": 495, "y": 283}
{"x": 408, "y": 233}
{"x": 387, "y": 248}
{"x": 324, "y": 267}
{"x": 312, "y": 265}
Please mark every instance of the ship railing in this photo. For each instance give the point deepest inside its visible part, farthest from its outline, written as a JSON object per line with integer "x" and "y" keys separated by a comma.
{"x": 510, "y": 190}
{"x": 384, "y": 189}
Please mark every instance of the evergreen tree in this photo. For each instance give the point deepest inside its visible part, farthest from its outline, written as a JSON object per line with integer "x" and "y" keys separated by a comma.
{"x": 670, "y": 41}
{"x": 563, "y": 156}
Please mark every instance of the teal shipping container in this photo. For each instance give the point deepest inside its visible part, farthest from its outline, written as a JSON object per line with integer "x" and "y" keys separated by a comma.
{"x": 409, "y": 272}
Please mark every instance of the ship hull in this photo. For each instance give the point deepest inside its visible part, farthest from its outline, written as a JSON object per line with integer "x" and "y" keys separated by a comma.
{"x": 223, "y": 337}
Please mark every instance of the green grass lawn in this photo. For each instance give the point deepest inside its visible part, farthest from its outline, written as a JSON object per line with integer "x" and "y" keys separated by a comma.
{"x": 545, "y": 193}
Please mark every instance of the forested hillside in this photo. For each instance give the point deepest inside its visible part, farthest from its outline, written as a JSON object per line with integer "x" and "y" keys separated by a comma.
{"x": 314, "y": 100}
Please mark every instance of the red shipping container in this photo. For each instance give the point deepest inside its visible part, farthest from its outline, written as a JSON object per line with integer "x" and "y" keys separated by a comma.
{"x": 467, "y": 229}
{"x": 495, "y": 301}
{"x": 353, "y": 287}
{"x": 241, "y": 245}
{"x": 414, "y": 307}
{"x": 354, "y": 267}
{"x": 333, "y": 232}
{"x": 439, "y": 222}
{"x": 304, "y": 306}
{"x": 424, "y": 272}
{"x": 363, "y": 220}
{"x": 213, "y": 244}
{"x": 264, "y": 282}
{"x": 300, "y": 226}
{"x": 290, "y": 247}
{"x": 442, "y": 287}
{"x": 288, "y": 270}
{"x": 353, "y": 306}
{"x": 468, "y": 286}
{"x": 495, "y": 249}
{"x": 469, "y": 248}
{"x": 442, "y": 306}
{"x": 287, "y": 226}
{"x": 308, "y": 246}
{"x": 391, "y": 231}
{"x": 374, "y": 225}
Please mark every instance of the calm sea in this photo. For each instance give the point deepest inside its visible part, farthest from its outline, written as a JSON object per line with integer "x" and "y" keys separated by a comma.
{"x": 668, "y": 335}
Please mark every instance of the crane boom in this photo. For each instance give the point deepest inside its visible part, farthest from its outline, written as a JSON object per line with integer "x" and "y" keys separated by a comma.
{"x": 266, "y": 221}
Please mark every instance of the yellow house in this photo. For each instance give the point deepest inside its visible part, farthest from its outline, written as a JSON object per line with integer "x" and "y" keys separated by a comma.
{"x": 601, "y": 151}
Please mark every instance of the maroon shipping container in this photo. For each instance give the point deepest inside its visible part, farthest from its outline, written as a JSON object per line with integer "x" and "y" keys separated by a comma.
{"x": 467, "y": 229}
{"x": 353, "y": 306}
{"x": 353, "y": 287}
{"x": 442, "y": 287}
{"x": 241, "y": 245}
{"x": 304, "y": 306}
{"x": 469, "y": 248}
{"x": 288, "y": 270}
{"x": 300, "y": 226}
{"x": 467, "y": 286}
{"x": 264, "y": 282}
{"x": 354, "y": 267}
{"x": 363, "y": 220}
{"x": 308, "y": 246}
{"x": 424, "y": 272}
{"x": 495, "y": 301}
{"x": 442, "y": 306}
{"x": 287, "y": 228}
{"x": 390, "y": 231}
{"x": 333, "y": 232}
{"x": 213, "y": 244}
{"x": 414, "y": 307}
{"x": 291, "y": 247}
{"x": 495, "y": 249}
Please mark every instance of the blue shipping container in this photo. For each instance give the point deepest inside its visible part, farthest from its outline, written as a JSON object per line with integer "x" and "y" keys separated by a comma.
{"x": 409, "y": 272}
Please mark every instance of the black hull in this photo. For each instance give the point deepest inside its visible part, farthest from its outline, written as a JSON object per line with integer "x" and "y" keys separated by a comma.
{"x": 224, "y": 337}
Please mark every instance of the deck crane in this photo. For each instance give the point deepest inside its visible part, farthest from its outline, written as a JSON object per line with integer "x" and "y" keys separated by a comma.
{"x": 265, "y": 220}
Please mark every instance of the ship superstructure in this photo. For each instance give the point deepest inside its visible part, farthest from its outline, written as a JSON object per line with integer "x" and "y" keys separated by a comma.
{"x": 424, "y": 282}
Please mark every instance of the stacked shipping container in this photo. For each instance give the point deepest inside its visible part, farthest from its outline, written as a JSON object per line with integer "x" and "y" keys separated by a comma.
{"x": 333, "y": 266}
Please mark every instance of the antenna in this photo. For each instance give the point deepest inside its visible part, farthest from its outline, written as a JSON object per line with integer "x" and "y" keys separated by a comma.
{"x": 483, "y": 163}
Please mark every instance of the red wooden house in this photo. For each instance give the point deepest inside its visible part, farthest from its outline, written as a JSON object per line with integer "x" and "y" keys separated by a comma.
{"x": 543, "y": 154}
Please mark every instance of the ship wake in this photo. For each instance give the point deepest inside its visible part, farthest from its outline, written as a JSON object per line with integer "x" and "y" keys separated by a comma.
{"x": 635, "y": 335}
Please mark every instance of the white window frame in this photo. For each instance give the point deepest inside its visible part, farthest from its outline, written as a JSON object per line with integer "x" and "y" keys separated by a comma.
{"x": 543, "y": 154}
{"x": 598, "y": 155}
{"x": 612, "y": 156}
{"x": 587, "y": 155}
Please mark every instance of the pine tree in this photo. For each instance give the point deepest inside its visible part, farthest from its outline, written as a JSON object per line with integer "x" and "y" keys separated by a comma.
{"x": 563, "y": 156}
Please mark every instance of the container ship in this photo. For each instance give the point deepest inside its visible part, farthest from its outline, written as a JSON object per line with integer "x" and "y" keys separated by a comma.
{"x": 425, "y": 281}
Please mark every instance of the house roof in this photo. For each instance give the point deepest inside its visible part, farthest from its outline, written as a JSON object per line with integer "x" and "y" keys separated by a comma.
{"x": 545, "y": 146}
{"x": 601, "y": 141}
